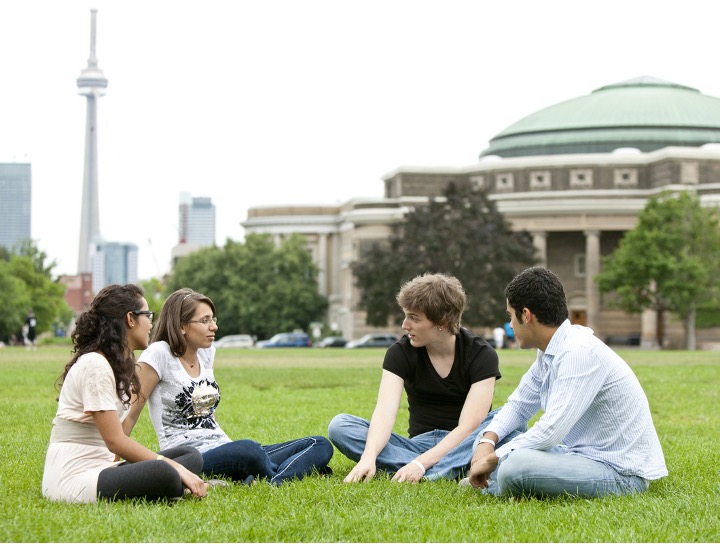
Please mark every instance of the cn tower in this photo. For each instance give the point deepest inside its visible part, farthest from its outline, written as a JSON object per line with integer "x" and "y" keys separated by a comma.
{"x": 91, "y": 84}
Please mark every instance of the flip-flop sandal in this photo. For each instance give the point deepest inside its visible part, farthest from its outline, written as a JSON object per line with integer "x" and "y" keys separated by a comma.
{"x": 216, "y": 483}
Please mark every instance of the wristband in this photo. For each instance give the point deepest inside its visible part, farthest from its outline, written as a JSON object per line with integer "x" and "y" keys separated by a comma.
{"x": 418, "y": 463}
{"x": 486, "y": 441}
{"x": 160, "y": 458}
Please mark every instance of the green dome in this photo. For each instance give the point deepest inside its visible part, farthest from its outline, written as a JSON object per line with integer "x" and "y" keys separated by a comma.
{"x": 644, "y": 113}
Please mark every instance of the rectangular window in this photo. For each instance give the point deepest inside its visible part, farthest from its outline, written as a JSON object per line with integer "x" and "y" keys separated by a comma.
{"x": 626, "y": 177}
{"x": 689, "y": 173}
{"x": 504, "y": 182}
{"x": 477, "y": 182}
{"x": 581, "y": 178}
{"x": 579, "y": 265}
{"x": 540, "y": 180}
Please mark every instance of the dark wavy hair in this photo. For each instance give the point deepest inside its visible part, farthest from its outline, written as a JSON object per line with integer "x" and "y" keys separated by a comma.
{"x": 179, "y": 308}
{"x": 541, "y": 292}
{"x": 102, "y": 328}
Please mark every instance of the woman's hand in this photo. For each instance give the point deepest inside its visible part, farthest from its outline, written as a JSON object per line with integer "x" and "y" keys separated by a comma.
{"x": 190, "y": 480}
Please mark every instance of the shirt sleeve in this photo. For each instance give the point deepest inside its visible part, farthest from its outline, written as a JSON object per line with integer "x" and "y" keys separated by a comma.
{"x": 485, "y": 364}
{"x": 521, "y": 406}
{"x": 396, "y": 361}
{"x": 156, "y": 355}
{"x": 97, "y": 386}
{"x": 578, "y": 376}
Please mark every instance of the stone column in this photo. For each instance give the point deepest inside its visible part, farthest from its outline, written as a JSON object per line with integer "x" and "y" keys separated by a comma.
{"x": 648, "y": 334}
{"x": 322, "y": 264}
{"x": 592, "y": 269}
{"x": 540, "y": 243}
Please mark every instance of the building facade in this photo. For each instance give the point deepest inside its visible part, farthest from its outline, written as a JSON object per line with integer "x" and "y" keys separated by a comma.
{"x": 196, "y": 220}
{"x": 114, "y": 262}
{"x": 574, "y": 175}
{"x": 78, "y": 291}
{"x": 196, "y": 225}
{"x": 15, "y": 204}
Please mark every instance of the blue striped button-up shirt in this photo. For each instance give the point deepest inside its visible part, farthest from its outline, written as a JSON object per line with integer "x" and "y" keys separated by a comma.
{"x": 593, "y": 406}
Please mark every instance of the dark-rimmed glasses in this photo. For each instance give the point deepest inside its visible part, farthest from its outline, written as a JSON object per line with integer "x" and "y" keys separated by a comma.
{"x": 145, "y": 312}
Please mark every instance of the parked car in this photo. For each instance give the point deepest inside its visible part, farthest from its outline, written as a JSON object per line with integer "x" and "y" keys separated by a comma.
{"x": 286, "y": 340}
{"x": 332, "y": 342}
{"x": 373, "y": 340}
{"x": 632, "y": 339}
{"x": 235, "y": 341}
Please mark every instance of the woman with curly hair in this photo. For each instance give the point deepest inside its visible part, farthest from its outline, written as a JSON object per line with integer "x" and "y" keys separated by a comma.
{"x": 84, "y": 461}
{"x": 176, "y": 373}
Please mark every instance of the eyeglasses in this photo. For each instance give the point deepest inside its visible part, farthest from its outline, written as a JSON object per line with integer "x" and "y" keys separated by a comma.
{"x": 205, "y": 321}
{"x": 145, "y": 312}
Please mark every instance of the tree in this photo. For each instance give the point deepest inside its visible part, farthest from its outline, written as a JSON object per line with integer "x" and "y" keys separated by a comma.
{"x": 26, "y": 282}
{"x": 461, "y": 234}
{"x": 257, "y": 288}
{"x": 153, "y": 290}
{"x": 15, "y": 301}
{"x": 669, "y": 262}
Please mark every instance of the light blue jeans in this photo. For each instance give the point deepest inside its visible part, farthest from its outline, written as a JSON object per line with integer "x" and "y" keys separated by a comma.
{"x": 555, "y": 472}
{"x": 349, "y": 434}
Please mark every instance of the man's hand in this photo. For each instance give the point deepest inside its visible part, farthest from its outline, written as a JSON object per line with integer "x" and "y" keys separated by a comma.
{"x": 363, "y": 471}
{"x": 409, "y": 473}
{"x": 483, "y": 463}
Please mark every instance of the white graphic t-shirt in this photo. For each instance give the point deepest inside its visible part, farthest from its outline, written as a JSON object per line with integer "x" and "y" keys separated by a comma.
{"x": 182, "y": 409}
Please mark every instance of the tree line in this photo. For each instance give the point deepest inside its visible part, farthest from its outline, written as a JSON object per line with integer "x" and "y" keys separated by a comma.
{"x": 669, "y": 263}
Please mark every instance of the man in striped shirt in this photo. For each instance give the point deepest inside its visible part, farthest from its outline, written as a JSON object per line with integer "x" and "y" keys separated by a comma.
{"x": 596, "y": 436}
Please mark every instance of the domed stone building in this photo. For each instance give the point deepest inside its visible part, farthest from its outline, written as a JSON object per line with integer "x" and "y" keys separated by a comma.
{"x": 575, "y": 175}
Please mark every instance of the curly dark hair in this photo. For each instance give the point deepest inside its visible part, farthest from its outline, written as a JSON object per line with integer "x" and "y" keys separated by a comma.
{"x": 102, "y": 328}
{"x": 178, "y": 310}
{"x": 540, "y": 291}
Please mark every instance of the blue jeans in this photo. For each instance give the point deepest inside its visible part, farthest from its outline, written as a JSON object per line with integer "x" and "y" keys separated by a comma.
{"x": 277, "y": 462}
{"x": 555, "y": 472}
{"x": 349, "y": 434}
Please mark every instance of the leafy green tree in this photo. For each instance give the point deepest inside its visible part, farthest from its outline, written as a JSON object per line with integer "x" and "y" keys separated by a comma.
{"x": 26, "y": 282}
{"x": 15, "y": 300}
{"x": 461, "y": 234}
{"x": 153, "y": 289}
{"x": 669, "y": 262}
{"x": 257, "y": 288}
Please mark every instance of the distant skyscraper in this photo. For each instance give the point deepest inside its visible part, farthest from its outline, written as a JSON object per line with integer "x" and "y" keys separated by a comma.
{"x": 196, "y": 220}
{"x": 114, "y": 262}
{"x": 91, "y": 84}
{"x": 196, "y": 225}
{"x": 15, "y": 203}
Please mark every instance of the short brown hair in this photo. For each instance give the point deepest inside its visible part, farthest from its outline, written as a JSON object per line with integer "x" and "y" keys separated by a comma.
{"x": 440, "y": 297}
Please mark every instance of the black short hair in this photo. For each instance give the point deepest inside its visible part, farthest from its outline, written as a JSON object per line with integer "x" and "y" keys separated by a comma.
{"x": 541, "y": 292}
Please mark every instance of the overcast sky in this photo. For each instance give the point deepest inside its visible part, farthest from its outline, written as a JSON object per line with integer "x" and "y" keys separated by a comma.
{"x": 265, "y": 102}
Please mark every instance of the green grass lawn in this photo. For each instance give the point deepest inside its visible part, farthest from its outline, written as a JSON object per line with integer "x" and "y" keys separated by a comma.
{"x": 275, "y": 395}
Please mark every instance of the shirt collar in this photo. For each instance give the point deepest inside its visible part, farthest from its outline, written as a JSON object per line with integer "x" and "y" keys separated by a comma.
{"x": 558, "y": 339}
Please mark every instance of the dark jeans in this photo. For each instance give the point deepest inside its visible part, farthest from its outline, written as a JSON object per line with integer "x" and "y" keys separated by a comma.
{"x": 278, "y": 462}
{"x": 148, "y": 479}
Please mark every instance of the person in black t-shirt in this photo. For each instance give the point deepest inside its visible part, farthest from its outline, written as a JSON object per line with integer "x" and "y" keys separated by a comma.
{"x": 449, "y": 376}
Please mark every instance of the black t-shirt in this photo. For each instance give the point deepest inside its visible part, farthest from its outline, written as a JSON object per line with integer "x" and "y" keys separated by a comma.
{"x": 435, "y": 402}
